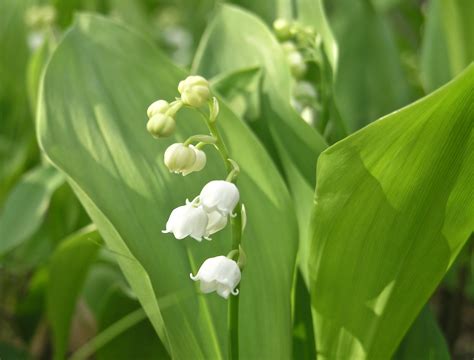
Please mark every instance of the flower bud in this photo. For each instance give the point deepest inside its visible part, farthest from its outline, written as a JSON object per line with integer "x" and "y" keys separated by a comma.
{"x": 297, "y": 64}
{"x": 187, "y": 220}
{"x": 161, "y": 125}
{"x": 219, "y": 274}
{"x": 282, "y": 29}
{"x": 160, "y": 106}
{"x": 199, "y": 162}
{"x": 40, "y": 16}
{"x": 179, "y": 158}
{"x": 288, "y": 47}
{"x": 219, "y": 195}
{"x": 194, "y": 91}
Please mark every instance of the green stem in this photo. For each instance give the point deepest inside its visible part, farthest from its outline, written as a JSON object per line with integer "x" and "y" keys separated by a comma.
{"x": 219, "y": 144}
{"x": 233, "y": 309}
{"x": 236, "y": 230}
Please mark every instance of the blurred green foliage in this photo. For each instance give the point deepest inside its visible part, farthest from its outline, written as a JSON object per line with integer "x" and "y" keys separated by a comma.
{"x": 65, "y": 292}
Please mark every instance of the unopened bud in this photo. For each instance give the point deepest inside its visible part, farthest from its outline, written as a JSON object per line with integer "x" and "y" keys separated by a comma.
{"x": 161, "y": 125}
{"x": 288, "y": 47}
{"x": 194, "y": 91}
{"x": 179, "y": 158}
{"x": 38, "y": 17}
{"x": 160, "y": 106}
{"x": 282, "y": 29}
{"x": 297, "y": 64}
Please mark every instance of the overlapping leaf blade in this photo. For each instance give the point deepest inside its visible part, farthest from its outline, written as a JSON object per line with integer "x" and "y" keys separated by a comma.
{"x": 370, "y": 80}
{"x": 447, "y": 44}
{"x": 27, "y": 205}
{"x": 92, "y": 126}
{"x": 68, "y": 269}
{"x": 394, "y": 204}
{"x": 295, "y": 144}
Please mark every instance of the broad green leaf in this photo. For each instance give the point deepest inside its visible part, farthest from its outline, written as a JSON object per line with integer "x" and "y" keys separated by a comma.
{"x": 92, "y": 121}
{"x": 303, "y": 333}
{"x": 447, "y": 44}
{"x": 26, "y": 206}
{"x": 104, "y": 275}
{"x": 370, "y": 81}
{"x": 394, "y": 205}
{"x": 293, "y": 143}
{"x": 64, "y": 216}
{"x": 128, "y": 332}
{"x": 68, "y": 268}
{"x": 424, "y": 340}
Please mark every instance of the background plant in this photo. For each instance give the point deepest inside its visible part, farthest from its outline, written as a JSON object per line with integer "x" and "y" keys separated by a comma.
{"x": 344, "y": 271}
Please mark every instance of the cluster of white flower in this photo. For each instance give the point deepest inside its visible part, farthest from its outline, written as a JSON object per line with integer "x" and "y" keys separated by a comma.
{"x": 209, "y": 212}
{"x": 39, "y": 19}
{"x": 206, "y": 214}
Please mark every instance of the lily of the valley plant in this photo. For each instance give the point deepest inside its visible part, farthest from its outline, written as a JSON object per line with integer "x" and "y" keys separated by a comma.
{"x": 218, "y": 201}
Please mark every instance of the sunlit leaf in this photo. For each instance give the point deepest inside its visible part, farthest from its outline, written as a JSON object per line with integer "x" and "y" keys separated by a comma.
{"x": 394, "y": 205}
{"x": 92, "y": 121}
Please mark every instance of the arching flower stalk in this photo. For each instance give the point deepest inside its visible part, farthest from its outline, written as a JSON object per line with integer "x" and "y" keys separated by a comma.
{"x": 218, "y": 202}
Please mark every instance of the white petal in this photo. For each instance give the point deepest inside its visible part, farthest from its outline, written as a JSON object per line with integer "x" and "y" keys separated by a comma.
{"x": 219, "y": 195}
{"x": 216, "y": 222}
{"x": 209, "y": 268}
{"x": 223, "y": 291}
{"x": 187, "y": 220}
{"x": 208, "y": 287}
{"x": 199, "y": 162}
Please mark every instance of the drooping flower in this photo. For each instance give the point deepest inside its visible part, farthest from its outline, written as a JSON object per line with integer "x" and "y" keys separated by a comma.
{"x": 187, "y": 220}
{"x": 219, "y": 274}
{"x": 219, "y": 195}
{"x": 199, "y": 162}
{"x": 216, "y": 222}
{"x": 179, "y": 158}
{"x": 194, "y": 91}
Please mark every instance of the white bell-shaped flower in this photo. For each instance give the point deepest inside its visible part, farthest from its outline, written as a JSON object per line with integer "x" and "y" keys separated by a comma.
{"x": 216, "y": 222}
{"x": 187, "y": 220}
{"x": 194, "y": 91}
{"x": 219, "y": 195}
{"x": 219, "y": 274}
{"x": 199, "y": 162}
{"x": 179, "y": 158}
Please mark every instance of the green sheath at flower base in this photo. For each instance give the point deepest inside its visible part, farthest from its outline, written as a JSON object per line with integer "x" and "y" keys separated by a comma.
{"x": 194, "y": 91}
